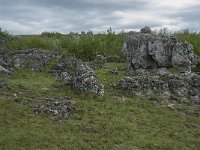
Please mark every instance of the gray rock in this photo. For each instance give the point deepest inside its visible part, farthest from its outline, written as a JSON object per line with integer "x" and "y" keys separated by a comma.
{"x": 146, "y": 30}
{"x": 183, "y": 57}
{"x": 60, "y": 109}
{"x": 78, "y": 74}
{"x": 99, "y": 62}
{"x": 185, "y": 87}
{"x": 145, "y": 50}
{"x": 33, "y": 59}
{"x": 4, "y": 85}
{"x": 4, "y": 71}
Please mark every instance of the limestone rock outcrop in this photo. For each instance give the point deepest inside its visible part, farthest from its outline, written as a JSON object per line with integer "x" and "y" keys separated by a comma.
{"x": 149, "y": 58}
{"x": 78, "y": 74}
{"x": 185, "y": 87}
{"x": 59, "y": 109}
{"x": 34, "y": 59}
{"x": 147, "y": 50}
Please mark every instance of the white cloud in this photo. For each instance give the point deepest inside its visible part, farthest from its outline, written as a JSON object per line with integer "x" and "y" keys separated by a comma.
{"x": 175, "y": 4}
{"x": 28, "y": 16}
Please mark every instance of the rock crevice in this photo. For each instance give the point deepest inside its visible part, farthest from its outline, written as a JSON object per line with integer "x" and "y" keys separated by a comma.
{"x": 78, "y": 74}
{"x": 147, "y": 50}
{"x": 149, "y": 58}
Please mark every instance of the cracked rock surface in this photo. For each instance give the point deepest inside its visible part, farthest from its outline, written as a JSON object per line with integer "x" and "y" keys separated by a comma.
{"x": 61, "y": 109}
{"x": 78, "y": 74}
{"x": 34, "y": 59}
{"x": 149, "y": 58}
{"x": 145, "y": 50}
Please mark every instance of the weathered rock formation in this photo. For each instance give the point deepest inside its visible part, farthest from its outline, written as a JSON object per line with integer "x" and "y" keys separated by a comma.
{"x": 185, "y": 87}
{"x": 34, "y": 59}
{"x": 149, "y": 56}
{"x": 78, "y": 74}
{"x": 72, "y": 71}
{"x": 59, "y": 109}
{"x": 146, "y": 50}
{"x": 99, "y": 62}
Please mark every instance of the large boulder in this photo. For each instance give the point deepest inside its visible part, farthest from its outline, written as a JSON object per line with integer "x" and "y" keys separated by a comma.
{"x": 149, "y": 57}
{"x": 78, "y": 74}
{"x": 146, "y": 50}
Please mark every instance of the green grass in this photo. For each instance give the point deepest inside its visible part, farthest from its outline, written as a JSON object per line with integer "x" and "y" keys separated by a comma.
{"x": 174, "y": 70}
{"x": 192, "y": 38}
{"x": 87, "y": 45}
{"x": 84, "y": 46}
{"x": 114, "y": 122}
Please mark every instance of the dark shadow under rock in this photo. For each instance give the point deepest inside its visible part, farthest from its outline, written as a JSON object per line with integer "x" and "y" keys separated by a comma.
{"x": 4, "y": 72}
{"x": 4, "y": 85}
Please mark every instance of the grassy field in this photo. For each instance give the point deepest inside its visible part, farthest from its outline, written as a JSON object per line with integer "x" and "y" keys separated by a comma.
{"x": 86, "y": 45}
{"x": 119, "y": 121}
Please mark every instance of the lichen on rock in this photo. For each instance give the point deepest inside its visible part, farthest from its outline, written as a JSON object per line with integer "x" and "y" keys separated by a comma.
{"x": 149, "y": 58}
{"x": 147, "y": 50}
{"x": 60, "y": 109}
{"x": 78, "y": 74}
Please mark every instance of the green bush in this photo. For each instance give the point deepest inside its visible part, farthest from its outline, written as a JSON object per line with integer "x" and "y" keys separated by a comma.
{"x": 87, "y": 45}
{"x": 192, "y": 38}
{"x": 4, "y": 37}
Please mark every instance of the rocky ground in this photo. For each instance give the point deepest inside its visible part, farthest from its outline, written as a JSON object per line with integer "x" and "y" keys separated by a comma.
{"x": 51, "y": 100}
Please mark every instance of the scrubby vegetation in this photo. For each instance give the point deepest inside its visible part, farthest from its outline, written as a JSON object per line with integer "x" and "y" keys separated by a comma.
{"x": 87, "y": 45}
{"x": 84, "y": 45}
{"x": 118, "y": 121}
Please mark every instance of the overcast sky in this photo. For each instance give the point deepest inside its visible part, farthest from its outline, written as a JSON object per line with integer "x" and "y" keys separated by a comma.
{"x": 36, "y": 16}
